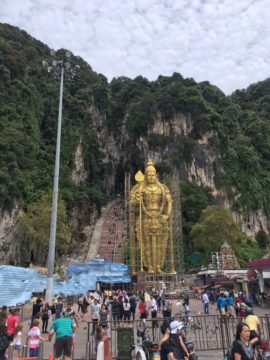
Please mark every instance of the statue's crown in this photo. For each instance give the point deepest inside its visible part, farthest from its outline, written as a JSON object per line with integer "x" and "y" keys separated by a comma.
{"x": 150, "y": 165}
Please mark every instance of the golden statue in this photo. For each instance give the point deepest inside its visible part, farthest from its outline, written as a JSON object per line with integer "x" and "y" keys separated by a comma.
{"x": 150, "y": 222}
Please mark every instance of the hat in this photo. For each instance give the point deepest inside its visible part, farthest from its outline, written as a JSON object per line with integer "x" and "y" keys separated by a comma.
{"x": 176, "y": 325}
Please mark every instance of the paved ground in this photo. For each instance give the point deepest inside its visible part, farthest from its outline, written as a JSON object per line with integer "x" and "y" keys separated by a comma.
{"x": 82, "y": 332}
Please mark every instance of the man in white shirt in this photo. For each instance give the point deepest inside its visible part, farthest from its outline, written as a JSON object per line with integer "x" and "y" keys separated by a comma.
{"x": 154, "y": 311}
{"x": 94, "y": 312}
{"x": 205, "y": 301}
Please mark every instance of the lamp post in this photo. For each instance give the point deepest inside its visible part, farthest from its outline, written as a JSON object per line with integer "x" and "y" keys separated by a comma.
{"x": 57, "y": 67}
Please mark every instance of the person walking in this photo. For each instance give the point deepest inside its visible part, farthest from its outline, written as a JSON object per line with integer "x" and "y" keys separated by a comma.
{"x": 186, "y": 307}
{"x": 254, "y": 325}
{"x": 63, "y": 329}
{"x": 221, "y": 304}
{"x": 4, "y": 340}
{"x": 177, "y": 340}
{"x": 36, "y": 310}
{"x": 205, "y": 301}
{"x": 166, "y": 346}
{"x": 17, "y": 341}
{"x": 103, "y": 318}
{"x": 45, "y": 314}
{"x": 84, "y": 307}
{"x": 133, "y": 305}
{"x": 12, "y": 322}
{"x": 143, "y": 311}
{"x": 58, "y": 307}
{"x": 242, "y": 349}
{"x": 127, "y": 310}
{"x": 94, "y": 315}
{"x": 33, "y": 339}
{"x": 154, "y": 312}
{"x": 115, "y": 310}
{"x": 230, "y": 304}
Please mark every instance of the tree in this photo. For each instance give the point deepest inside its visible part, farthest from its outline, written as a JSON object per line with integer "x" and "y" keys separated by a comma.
{"x": 216, "y": 226}
{"x": 262, "y": 239}
{"x": 35, "y": 229}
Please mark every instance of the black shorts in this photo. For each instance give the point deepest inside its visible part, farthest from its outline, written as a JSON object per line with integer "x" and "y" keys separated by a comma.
{"x": 63, "y": 345}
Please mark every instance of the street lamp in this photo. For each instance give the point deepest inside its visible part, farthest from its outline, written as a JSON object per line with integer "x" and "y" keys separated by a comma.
{"x": 57, "y": 67}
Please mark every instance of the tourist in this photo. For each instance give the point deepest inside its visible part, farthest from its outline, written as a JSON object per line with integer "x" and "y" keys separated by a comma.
{"x": 177, "y": 340}
{"x": 58, "y": 307}
{"x": 4, "y": 312}
{"x": 133, "y": 305}
{"x": 84, "y": 307}
{"x": 36, "y": 310}
{"x": 158, "y": 300}
{"x": 4, "y": 340}
{"x": 17, "y": 341}
{"x": 196, "y": 295}
{"x": 254, "y": 325}
{"x": 242, "y": 349}
{"x": 166, "y": 346}
{"x": 94, "y": 315}
{"x": 221, "y": 304}
{"x": 121, "y": 307}
{"x": 143, "y": 311}
{"x": 115, "y": 310}
{"x": 154, "y": 312}
{"x": 230, "y": 305}
{"x": 12, "y": 322}
{"x": 186, "y": 307}
{"x": 103, "y": 317}
{"x": 102, "y": 346}
{"x": 45, "y": 314}
{"x": 127, "y": 310}
{"x": 33, "y": 339}
{"x": 80, "y": 302}
{"x": 205, "y": 301}
{"x": 63, "y": 328}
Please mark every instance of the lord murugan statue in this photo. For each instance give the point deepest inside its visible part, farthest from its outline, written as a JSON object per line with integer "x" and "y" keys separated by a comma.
{"x": 150, "y": 223}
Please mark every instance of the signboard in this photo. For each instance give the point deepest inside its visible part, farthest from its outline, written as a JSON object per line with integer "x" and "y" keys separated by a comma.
{"x": 266, "y": 274}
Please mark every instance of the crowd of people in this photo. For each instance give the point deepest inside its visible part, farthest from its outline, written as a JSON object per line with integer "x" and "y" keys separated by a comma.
{"x": 228, "y": 303}
{"x": 63, "y": 326}
{"x": 119, "y": 308}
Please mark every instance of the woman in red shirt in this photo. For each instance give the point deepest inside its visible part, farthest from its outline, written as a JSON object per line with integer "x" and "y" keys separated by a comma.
{"x": 12, "y": 322}
{"x": 143, "y": 311}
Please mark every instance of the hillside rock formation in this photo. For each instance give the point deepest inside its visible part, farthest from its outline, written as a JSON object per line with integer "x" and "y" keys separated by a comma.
{"x": 187, "y": 128}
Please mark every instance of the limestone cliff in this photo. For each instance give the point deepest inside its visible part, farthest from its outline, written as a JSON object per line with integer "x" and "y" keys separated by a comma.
{"x": 192, "y": 132}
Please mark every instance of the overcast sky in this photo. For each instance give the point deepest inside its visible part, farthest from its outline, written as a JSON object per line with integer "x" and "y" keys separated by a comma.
{"x": 226, "y": 42}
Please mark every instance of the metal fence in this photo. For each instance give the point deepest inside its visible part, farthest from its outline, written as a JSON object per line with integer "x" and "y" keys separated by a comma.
{"x": 208, "y": 332}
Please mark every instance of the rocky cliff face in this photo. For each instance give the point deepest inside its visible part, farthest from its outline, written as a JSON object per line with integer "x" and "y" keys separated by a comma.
{"x": 9, "y": 237}
{"x": 117, "y": 159}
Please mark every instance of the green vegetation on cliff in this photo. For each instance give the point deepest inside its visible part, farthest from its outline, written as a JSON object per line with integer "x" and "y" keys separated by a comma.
{"x": 112, "y": 126}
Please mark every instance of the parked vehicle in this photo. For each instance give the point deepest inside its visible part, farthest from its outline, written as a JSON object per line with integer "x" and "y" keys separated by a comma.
{"x": 190, "y": 349}
{"x": 145, "y": 349}
{"x": 263, "y": 350}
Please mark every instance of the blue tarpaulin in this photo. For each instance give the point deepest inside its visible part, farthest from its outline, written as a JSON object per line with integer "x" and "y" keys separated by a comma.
{"x": 17, "y": 284}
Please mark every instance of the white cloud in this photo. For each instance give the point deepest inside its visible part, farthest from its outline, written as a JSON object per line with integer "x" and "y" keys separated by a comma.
{"x": 226, "y": 42}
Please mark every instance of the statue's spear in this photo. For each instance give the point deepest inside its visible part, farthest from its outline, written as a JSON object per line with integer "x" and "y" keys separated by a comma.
{"x": 139, "y": 177}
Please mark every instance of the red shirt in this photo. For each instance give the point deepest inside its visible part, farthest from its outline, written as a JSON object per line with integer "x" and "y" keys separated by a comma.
{"x": 142, "y": 308}
{"x": 12, "y": 322}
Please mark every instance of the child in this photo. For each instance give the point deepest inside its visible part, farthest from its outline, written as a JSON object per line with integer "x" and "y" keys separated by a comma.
{"x": 32, "y": 339}
{"x": 17, "y": 342}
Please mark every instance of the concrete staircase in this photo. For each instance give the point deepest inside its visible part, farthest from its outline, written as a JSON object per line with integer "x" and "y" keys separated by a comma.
{"x": 110, "y": 233}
